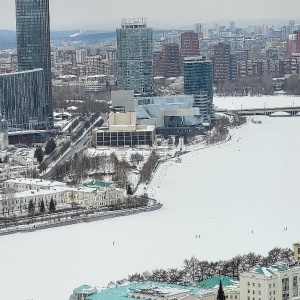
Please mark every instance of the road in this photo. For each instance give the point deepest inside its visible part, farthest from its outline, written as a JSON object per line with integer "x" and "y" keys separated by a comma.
{"x": 82, "y": 143}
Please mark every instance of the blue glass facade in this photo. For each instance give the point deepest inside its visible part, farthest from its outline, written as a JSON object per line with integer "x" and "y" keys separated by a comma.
{"x": 198, "y": 81}
{"x": 20, "y": 99}
{"x": 33, "y": 48}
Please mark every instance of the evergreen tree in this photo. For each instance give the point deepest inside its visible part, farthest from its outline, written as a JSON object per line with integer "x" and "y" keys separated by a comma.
{"x": 42, "y": 207}
{"x": 39, "y": 154}
{"x": 50, "y": 146}
{"x": 129, "y": 190}
{"x": 221, "y": 295}
{"x": 52, "y": 206}
{"x": 176, "y": 140}
{"x": 31, "y": 207}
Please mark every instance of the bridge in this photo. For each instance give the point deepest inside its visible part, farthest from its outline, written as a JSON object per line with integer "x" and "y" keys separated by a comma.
{"x": 292, "y": 110}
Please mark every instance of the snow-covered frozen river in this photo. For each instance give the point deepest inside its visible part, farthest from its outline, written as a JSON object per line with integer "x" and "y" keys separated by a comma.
{"x": 222, "y": 193}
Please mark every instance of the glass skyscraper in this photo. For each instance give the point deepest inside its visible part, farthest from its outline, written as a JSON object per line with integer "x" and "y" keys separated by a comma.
{"x": 198, "y": 81}
{"x": 20, "y": 99}
{"x": 135, "y": 57}
{"x": 33, "y": 46}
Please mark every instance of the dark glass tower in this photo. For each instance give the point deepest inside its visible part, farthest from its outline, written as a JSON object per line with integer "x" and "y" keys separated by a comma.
{"x": 33, "y": 46}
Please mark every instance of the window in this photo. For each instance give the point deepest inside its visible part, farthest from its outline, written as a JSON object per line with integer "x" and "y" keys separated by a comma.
{"x": 253, "y": 284}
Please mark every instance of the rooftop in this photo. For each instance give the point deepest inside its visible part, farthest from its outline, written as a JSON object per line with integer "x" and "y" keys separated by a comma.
{"x": 122, "y": 291}
{"x": 96, "y": 183}
{"x": 215, "y": 281}
{"x": 271, "y": 270}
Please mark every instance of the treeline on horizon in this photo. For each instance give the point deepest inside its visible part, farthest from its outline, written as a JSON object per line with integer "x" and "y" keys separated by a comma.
{"x": 195, "y": 270}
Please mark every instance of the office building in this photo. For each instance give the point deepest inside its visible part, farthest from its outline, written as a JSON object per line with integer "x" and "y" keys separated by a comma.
{"x": 33, "y": 47}
{"x": 135, "y": 56}
{"x": 22, "y": 99}
{"x": 198, "y": 81}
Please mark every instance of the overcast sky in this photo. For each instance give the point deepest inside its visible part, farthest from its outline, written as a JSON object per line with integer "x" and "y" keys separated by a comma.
{"x": 103, "y": 15}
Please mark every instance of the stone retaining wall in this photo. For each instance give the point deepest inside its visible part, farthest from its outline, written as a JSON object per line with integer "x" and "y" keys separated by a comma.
{"x": 80, "y": 219}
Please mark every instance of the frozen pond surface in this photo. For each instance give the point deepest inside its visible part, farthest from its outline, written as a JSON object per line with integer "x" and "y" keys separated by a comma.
{"x": 222, "y": 193}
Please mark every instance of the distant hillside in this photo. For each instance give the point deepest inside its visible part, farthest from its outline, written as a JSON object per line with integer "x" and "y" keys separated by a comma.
{"x": 7, "y": 39}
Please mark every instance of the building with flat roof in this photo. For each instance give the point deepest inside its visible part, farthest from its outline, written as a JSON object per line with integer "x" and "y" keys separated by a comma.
{"x": 22, "y": 99}
{"x": 122, "y": 100}
{"x": 198, "y": 80}
{"x": 123, "y": 130}
{"x": 33, "y": 48}
{"x": 135, "y": 56}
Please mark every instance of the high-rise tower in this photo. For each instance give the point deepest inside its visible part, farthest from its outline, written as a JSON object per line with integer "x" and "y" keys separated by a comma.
{"x": 198, "y": 81}
{"x": 33, "y": 47}
{"x": 135, "y": 56}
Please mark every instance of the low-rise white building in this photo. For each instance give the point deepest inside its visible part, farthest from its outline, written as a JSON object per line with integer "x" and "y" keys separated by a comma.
{"x": 280, "y": 281}
{"x": 8, "y": 171}
{"x": 18, "y": 193}
{"x": 25, "y": 184}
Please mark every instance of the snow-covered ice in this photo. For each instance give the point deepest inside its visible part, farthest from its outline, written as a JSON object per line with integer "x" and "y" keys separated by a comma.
{"x": 256, "y": 102}
{"x": 222, "y": 193}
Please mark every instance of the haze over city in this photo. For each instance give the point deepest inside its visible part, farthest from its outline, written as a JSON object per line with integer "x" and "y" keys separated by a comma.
{"x": 106, "y": 15}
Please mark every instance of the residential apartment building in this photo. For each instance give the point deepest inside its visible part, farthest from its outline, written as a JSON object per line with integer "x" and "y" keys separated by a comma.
{"x": 224, "y": 64}
{"x": 189, "y": 46}
{"x": 171, "y": 60}
{"x": 135, "y": 56}
{"x": 267, "y": 67}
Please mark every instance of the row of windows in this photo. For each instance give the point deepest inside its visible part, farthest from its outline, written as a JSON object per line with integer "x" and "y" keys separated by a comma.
{"x": 259, "y": 285}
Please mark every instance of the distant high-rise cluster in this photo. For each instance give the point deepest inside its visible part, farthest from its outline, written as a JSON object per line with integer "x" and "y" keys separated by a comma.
{"x": 135, "y": 56}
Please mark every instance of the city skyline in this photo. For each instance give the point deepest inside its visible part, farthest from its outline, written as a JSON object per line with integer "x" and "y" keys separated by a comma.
{"x": 107, "y": 15}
